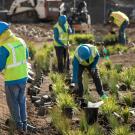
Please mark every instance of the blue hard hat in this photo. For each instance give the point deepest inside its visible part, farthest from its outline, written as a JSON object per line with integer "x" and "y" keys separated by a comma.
{"x": 3, "y": 26}
{"x": 84, "y": 52}
{"x": 62, "y": 19}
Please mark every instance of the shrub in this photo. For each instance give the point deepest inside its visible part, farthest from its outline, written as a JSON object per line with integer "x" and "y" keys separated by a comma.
{"x": 95, "y": 129}
{"x": 128, "y": 99}
{"x": 65, "y": 100}
{"x": 125, "y": 113}
{"x": 42, "y": 58}
{"x": 117, "y": 48}
{"x": 109, "y": 106}
{"x": 81, "y": 38}
{"x": 110, "y": 39}
{"x": 113, "y": 121}
{"x": 61, "y": 123}
{"x": 121, "y": 130}
{"x": 128, "y": 76}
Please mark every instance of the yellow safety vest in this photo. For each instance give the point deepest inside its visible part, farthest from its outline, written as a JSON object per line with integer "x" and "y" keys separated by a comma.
{"x": 62, "y": 35}
{"x": 119, "y": 18}
{"x": 94, "y": 52}
{"x": 16, "y": 64}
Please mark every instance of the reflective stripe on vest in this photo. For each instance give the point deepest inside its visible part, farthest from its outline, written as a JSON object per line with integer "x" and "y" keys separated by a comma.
{"x": 15, "y": 63}
{"x": 62, "y": 35}
{"x": 119, "y": 18}
{"x": 91, "y": 58}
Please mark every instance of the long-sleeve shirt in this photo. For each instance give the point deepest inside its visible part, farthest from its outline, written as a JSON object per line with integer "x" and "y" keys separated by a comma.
{"x": 76, "y": 67}
{"x": 56, "y": 34}
{"x": 3, "y": 58}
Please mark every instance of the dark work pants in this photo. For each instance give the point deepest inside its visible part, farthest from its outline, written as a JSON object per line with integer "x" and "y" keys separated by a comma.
{"x": 62, "y": 58}
{"x": 96, "y": 80}
{"x": 122, "y": 33}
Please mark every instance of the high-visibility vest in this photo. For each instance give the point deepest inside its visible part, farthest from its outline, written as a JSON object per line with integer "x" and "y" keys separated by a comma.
{"x": 16, "y": 64}
{"x": 62, "y": 35}
{"x": 94, "y": 52}
{"x": 119, "y": 18}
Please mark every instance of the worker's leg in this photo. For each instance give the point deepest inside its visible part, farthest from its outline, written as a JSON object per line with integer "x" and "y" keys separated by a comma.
{"x": 122, "y": 34}
{"x": 97, "y": 81}
{"x": 60, "y": 57}
{"x": 66, "y": 58}
{"x": 80, "y": 84}
{"x": 22, "y": 104}
{"x": 12, "y": 93}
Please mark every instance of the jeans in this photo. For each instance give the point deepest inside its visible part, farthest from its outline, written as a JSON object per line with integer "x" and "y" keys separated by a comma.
{"x": 122, "y": 34}
{"x": 62, "y": 58}
{"x": 16, "y": 100}
{"x": 95, "y": 77}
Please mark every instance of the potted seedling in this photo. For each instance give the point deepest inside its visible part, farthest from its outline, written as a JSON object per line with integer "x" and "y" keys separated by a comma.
{"x": 66, "y": 103}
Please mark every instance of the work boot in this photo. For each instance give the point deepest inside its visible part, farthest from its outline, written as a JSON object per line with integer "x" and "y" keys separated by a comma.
{"x": 28, "y": 128}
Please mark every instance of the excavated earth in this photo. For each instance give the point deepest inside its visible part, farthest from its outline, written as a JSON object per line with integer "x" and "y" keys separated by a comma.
{"x": 40, "y": 33}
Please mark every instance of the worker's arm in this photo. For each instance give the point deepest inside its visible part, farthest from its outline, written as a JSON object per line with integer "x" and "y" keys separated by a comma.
{"x": 75, "y": 70}
{"x": 96, "y": 59}
{"x": 56, "y": 36}
{"x": 3, "y": 57}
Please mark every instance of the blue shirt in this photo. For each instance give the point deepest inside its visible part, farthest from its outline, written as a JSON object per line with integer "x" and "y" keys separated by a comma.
{"x": 76, "y": 67}
{"x": 56, "y": 34}
{"x": 3, "y": 58}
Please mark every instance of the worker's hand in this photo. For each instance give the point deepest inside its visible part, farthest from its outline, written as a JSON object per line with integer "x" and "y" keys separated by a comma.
{"x": 93, "y": 70}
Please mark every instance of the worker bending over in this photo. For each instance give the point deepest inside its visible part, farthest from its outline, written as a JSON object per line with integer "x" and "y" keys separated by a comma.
{"x": 61, "y": 39}
{"x": 121, "y": 20}
{"x": 13, "y": 63}
{"x": 86, "y": 56}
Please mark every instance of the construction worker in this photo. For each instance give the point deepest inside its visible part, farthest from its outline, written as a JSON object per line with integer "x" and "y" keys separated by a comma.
{"x": 61, "y": 38}
{"x": 121, "y": 20}
{"x": 86, "y": 57}
{"x": 13, "y": 64}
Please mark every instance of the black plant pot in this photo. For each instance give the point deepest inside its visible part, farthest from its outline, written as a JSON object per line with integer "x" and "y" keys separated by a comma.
{"x": 91, "y": 115}
{"x": 35, "y": 98}
{"x": 50, "y": 88}
{"x": 39, "y": 103}
{"x": 46, "y": 98}
{"x": 41, "y": 111}
{"x": 68, "y": 112}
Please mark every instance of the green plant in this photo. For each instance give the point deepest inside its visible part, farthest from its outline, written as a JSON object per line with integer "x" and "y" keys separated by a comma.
{"x": 128, "y": 76}
{"x": 117, "y": 49}
{"x": 121, "y": 130}
{"x": 113, "y": 121}
{"x": 109, "y": 106}
{"x": 95, "y": 129}
{"x": 61, "y": 123}
{"x": 125, "y": 113}
{"x": 128, "y": 99}
{"x": 81, "y": 38}
{"x": 65, "y": 100}
{"x": 59, "y": 87}
{"x": 108, "y": 65}
{"x": 85, "y": 82}
{"x": 42, "y": 58}
{"x": 114, "y": 78}
{"x": 110, "y": 39}
{"x": 32, "y": 50}
{"x": 118, "y": 67}
{"x": 83, "y": 123}
{"x": 74, "y": 132}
